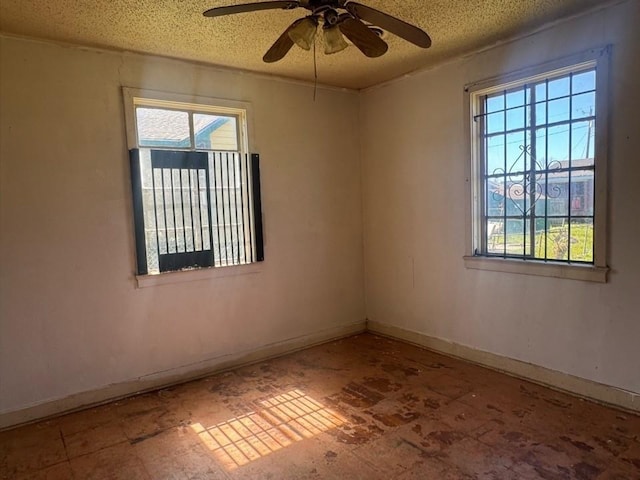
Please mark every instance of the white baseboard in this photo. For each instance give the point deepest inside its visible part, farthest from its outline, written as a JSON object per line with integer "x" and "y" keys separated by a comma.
{"x": 573, "y": 385}
{"x": 174, "y": 376}
{"x": 560, "y": 381}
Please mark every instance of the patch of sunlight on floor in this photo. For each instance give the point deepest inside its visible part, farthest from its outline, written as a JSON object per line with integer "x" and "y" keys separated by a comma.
{"x": 281, "y": 421}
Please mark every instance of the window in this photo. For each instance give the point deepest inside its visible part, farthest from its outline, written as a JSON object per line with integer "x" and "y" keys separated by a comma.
{"x": 538, "y": 170}
{"x": 196, "y": 190}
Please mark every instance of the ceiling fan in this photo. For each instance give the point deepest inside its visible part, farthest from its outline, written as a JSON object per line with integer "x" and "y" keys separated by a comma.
{"x": 338, "y": 18}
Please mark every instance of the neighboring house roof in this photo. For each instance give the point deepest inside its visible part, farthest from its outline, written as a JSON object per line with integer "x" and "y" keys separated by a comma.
{"x": 203, "y": 135}
{"x": 170, "y": 128}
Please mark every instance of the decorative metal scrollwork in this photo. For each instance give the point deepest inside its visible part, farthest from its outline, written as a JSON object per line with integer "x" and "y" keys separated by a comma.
{"x": 526, "y": 183}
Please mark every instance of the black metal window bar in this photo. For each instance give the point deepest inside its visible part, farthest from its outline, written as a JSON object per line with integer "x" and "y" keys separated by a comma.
{"x": 195, "y": 209}
{"x": 536, "y": 203}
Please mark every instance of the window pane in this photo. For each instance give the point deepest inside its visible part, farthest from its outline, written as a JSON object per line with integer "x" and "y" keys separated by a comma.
{"x": 162, "y": 128}
{"x": 557, "y": 236}
{"x": 558, "y": 87}
{"x": 582, "y": 144}
{"x": 529, "y": 236}
{"x": 582, "y": 192}
{"x": 541, "y": 148}
{"x": 583, "y": 82}
{"x": 581, "y": 241}
{"x": 495, "y": 123}
{"x": 515, "y": 118}
{"x": 518, "y": 237}
{"x": 495, "y": 236}
{"x": 494, "y": 201}
{"x": 515, "y": 152}
{"x": 539, "y": 238}
{"x": 495, "y": 103}
{"x": 541, "y": 91}
{"x": 541, "y": 113}
{"x": 559, "y": 110}
{"x": 213, "y": 132}
{"x": 556, "y": 192}
{"x": 515, "y": 195}
{"x": 515, "y": 98}
{"x": 558, "y": 144}
{"x": 528, "y": 151}
{"x": 495, "y": 155}
{"x": 515, "y": 237}
{"x": 583, "y": 105}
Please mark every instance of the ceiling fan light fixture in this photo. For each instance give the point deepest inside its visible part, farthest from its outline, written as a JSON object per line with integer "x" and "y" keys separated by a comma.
{"x": 304, "y": 33}
{"x": 333, "y": 40}
{"x": 360, "y": 24}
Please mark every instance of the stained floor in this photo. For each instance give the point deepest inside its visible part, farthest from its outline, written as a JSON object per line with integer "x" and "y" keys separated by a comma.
{"x": 364, "y": 407}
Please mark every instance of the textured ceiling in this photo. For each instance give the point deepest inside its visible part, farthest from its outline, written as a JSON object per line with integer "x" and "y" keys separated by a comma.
{"x": 178, "y": 29}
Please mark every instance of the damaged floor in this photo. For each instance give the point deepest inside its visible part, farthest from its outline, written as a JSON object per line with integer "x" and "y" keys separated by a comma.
{"x": 364, "y": 407}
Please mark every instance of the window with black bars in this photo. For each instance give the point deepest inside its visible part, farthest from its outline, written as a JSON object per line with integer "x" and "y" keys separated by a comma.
{"x": 195, "y": 209}
{"x": 537, "y": 168}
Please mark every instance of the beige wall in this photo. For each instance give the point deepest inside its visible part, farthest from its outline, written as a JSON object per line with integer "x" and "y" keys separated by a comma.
{"x": 414, "y": 214}
{"x": 71, "y": 318}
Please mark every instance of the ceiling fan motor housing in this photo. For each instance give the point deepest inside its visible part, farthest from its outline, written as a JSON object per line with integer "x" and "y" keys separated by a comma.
{"x": 331, "y": 17}
{"x": 316, "y": 4}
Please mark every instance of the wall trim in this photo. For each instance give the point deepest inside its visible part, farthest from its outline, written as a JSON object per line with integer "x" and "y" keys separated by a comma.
{"x": 564, "y": 382}
{"x": 576, "y": 386}
{"x": 174, "y": 376}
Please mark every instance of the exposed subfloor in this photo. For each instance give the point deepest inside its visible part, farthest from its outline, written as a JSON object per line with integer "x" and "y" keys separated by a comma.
{"x": 364, "y": 407}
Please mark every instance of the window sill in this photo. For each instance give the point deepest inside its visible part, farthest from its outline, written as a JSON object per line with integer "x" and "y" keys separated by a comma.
{"x": 144, "y": 281}
{"x": 585, "y": 273}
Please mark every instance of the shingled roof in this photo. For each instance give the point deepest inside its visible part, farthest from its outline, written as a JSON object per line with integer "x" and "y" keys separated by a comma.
{"x": 171, "y": 127}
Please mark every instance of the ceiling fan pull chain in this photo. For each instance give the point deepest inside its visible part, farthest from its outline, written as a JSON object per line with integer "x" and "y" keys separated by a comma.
{"x": 315, "y": 71}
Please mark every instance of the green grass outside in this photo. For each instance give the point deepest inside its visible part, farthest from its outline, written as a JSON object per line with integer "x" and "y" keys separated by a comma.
{"x": 558, "y": 243}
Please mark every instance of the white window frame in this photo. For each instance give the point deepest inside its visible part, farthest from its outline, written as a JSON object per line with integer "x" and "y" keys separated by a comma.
{"x": 474, "y": 259}
{"x": 137, "y": 97}
{"x": 140, "y": 97}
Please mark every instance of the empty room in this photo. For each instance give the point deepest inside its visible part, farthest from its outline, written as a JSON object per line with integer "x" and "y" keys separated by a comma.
{"x": 319, "y": 239}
